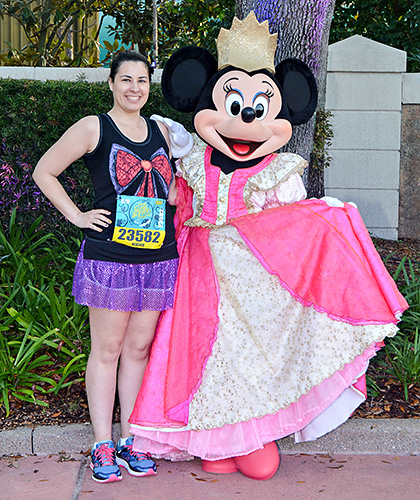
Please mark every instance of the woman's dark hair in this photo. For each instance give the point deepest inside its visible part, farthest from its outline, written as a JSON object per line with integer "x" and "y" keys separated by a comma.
{"x": 130, "y": 55}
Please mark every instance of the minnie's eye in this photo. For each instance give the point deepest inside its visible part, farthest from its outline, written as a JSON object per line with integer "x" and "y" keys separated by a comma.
{"x": 261, "y": 105}
{"x": 234, "y": 104}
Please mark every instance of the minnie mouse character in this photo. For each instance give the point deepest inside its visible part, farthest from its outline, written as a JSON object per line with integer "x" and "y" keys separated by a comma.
{"x": 280, "y": 301}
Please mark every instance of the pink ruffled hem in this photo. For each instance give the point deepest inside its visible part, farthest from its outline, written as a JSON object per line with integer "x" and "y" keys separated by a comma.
{"x": 245, "y": 437}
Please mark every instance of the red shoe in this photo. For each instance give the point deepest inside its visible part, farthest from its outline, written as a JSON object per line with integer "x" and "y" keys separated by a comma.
{"x": 225, "y": 466}
{"x": 261, "y": 464}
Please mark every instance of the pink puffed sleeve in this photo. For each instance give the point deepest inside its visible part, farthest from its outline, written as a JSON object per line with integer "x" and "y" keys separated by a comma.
{"x": 290, "y": 191}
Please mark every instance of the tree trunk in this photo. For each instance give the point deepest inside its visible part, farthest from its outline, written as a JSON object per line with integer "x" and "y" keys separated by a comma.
{"x": 43, "y": 32}
{"x": 303, "y": 28}
{"x": 155, "y": 31}
{"x": 243, "y": 8}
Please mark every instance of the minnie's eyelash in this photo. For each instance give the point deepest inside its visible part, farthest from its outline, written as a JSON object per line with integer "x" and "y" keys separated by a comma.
{"x": 227, "y": 87}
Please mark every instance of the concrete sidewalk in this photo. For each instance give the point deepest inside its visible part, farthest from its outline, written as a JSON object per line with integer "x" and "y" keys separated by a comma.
{"x": 308, "y": 477}
{"x": 362, "y": 459}
{"x": 360, "y": 436}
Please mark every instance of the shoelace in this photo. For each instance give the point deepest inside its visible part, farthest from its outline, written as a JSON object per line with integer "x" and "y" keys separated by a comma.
{"x": 138, "y": 455}
{"x": 104, "y": 454}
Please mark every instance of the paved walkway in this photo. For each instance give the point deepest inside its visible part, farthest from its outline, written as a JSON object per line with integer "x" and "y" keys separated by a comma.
{"x": 308, "y": 477}
{"x": 363, "y": 460}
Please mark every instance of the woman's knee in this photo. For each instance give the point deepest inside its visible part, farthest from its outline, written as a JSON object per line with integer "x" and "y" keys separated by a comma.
{"x": 140, "y": 334}
{"x": 137, "y": 351}
{"x": 105, "y": 353}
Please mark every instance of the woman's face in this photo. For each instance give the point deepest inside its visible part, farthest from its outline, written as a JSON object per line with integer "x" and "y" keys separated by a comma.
{"x": 130, "y": 86}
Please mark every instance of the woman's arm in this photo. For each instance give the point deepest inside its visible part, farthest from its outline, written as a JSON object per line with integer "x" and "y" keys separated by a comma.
{"x": 172, "y": 192}
{"x": 79, "y": 139}
{"x": 180, "y": 141}
{"x": 165, "y": 134}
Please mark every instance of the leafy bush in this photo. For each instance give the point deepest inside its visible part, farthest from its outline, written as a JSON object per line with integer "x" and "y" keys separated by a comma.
{"x": 403, "y": 351}
{"x": 404, "y": 356}
{"x": 34, "y": 115}
{"x": 19, "y": 361}
{"x": 408, "y": 274}
{"x": 44, "y": 339}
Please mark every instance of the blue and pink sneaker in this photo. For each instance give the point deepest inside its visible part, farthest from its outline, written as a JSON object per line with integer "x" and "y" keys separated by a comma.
{"x": 135, "y": 462}
{"x": 103, "y": 464}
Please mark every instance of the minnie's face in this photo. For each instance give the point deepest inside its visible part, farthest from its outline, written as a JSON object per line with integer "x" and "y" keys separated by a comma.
{"x": 244, "y": 125}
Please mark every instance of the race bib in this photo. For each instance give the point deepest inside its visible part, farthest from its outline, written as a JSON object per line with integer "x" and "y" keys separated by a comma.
{"x": 140, "y": 222}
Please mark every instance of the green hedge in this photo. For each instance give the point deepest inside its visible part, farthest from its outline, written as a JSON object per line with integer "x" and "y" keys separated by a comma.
{"x": 33, "y": 116}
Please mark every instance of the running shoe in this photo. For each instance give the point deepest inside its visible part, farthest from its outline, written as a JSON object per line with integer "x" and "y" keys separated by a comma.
{"x": 135, "y": 462}
{"x": 103, "y": 464}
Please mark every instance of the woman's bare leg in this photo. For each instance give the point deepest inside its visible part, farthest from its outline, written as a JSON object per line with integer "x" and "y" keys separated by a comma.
{"x": 108, "y": 329}
{"x": 133, "y": 361}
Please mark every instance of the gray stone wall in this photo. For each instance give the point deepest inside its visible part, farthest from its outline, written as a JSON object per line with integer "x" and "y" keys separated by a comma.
{"x": 364, "y": 94}
{"x": 409, "y": 209}
{"x": 68, "y": 74}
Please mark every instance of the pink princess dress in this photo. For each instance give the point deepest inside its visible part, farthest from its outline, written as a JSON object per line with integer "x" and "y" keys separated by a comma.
{"x": 280, "y": 304}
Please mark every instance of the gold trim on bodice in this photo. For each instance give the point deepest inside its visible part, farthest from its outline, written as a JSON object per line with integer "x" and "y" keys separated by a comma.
{"x": 192, "y": 169}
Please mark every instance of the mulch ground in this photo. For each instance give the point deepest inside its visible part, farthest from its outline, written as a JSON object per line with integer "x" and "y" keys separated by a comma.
{"x": 391, "y": 402}
{"x": 70, "y": 406}
{"x": 392, "y": 252}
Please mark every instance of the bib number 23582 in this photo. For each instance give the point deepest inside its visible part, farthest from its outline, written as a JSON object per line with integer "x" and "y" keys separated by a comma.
{"x": 139, "y": 222}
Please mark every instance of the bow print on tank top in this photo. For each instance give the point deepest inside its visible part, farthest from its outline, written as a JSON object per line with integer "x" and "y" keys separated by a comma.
{"x": 126, "y": 168}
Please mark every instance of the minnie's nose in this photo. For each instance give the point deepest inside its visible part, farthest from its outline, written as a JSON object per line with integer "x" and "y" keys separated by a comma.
{"x": 248, "y": 115}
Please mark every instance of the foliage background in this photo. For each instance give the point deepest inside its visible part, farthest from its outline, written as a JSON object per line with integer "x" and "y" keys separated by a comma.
{"x": 44, "y": 335}
{"x": 34, "y": 115}
{"x": 67, "y": 32}
{"x": 391, "y": 22}
{"x": 180, "y": 23}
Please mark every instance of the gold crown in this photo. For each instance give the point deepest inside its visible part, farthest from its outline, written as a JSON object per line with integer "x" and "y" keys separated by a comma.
{"x": 247, "y": 45}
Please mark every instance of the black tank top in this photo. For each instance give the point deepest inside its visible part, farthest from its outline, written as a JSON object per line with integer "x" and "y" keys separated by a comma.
{"x": 115, "y": 167}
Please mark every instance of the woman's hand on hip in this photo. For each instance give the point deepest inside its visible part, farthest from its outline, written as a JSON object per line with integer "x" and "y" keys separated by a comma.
{"x": 94, "y": 219}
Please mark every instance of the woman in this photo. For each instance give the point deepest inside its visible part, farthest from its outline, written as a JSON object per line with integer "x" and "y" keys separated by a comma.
{"x": 127, "y": 265}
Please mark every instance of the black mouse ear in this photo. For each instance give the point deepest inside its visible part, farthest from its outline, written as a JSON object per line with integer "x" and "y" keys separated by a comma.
{"x": 299, "y": 89}
{"x": 185, "y": 75}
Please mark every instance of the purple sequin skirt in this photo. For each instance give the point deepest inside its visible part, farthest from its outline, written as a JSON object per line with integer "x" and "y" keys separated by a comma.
{"x": 124, "y": 287}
